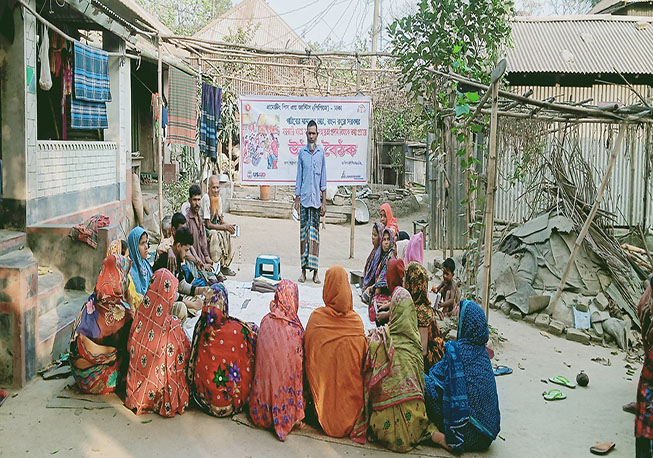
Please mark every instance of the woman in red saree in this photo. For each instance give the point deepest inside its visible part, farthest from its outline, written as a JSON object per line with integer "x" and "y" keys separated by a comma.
{"x": 277, "y": 397}
{"x": 158, "y": 352}
{"x": 100, "y": 331}
{"x": 222, "y": 357}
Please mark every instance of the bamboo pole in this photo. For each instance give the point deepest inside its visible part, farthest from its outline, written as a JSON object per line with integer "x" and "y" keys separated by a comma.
{"x": 287, "y": 65}
{"x": 590, "y": 218}
{"x": 450, "y": 186}
{"x": 468, "y": 154}
{"x": 489, "y": 206}
{"x": 562, "y": 108}
{"x": 282, "y": 52}
{"x": 159, "y": 143}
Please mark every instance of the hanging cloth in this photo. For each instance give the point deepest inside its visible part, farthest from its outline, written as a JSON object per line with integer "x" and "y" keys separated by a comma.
{"x": 45, "y": 80}
{"x": 210, "y": 120}
{"x": 91, "y": 91}
{"x": 182, "y": 127}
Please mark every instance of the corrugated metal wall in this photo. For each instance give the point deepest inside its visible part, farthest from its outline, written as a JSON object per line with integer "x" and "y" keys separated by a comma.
{"x": 516, "y": 203}
{"x": 625, "y": 194}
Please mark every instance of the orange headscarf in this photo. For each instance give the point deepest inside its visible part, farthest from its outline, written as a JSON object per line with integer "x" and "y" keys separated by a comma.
{"x": 391, "y": 221}
{"x": 335, "y": 347}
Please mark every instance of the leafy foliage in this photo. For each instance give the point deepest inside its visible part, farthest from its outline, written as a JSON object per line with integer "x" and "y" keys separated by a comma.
{"x": 186, "y": 17}
{"x": 176, "y": 193}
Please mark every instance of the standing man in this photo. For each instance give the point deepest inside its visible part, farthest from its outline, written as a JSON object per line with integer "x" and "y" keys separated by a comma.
{"x": 220, "y": 232}
{"x": 310, "y": 191}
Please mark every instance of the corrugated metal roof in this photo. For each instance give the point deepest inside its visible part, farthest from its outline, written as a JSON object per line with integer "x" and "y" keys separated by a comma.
{"x": 272, "y": 31}
{"x": 581, "y": 44}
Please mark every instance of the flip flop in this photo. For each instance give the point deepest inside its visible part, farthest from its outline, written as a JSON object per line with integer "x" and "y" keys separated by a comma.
{"x": 560, "y": 380}
{"x": 502, "y": 370}
{"x": 602, "y": 448}
{"x": 554, "y": 395}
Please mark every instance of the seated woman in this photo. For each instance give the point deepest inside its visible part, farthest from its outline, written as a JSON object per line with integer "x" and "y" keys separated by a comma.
{"x": 401, "y": 243}
{"x": 388, "y": 220}
{"x": 369, "y": 278}
{"x": 335, "y": 347}
{"x": 415, "y": 249}
{"x": 416, "y": 281}
{"x": 277, "y": 396}
{"x": 461, "y": 394}
{"x": 380, "y": 296}
{"x": 394, "y": 278}
{"x": 99, "y": 337}
{"x": 394, "y": 411}
{"x": 158, "y": 353}
{"x": 222, "y": 357}
{"x": 141, "y": 271}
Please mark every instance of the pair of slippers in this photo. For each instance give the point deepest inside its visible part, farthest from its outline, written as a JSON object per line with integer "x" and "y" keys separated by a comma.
{"x": 555, "y": 394}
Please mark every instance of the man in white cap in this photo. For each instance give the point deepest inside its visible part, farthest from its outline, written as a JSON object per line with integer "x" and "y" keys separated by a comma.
{"x": 220, "y": 232}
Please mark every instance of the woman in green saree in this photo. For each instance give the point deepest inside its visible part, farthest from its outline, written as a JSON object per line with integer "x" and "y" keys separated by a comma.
{"x": 393, "y": 379}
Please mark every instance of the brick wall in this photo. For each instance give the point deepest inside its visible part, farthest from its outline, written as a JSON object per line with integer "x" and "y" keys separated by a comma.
{"x": 63, "y": 167}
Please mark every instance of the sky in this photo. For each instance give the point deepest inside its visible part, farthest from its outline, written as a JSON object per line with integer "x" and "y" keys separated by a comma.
{"x": 343, "y": 20}
{"x": 339, "y": 20}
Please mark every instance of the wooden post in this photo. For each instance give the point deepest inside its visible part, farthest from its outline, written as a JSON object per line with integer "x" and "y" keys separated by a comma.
{"x": 468, "y": 154}
{"x": 450, "y": 186}
{"x": 353, "y": 222}
{"x": 590, "y": 218}
{"x": 489, "y": 206}
{"x": 159, "y": 143}
{"x": 231, "y": 171}
{"x": 647, "y": 174}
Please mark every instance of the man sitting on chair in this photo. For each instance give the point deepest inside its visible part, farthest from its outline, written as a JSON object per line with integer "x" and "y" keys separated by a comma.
{"x": 220, "y": 232}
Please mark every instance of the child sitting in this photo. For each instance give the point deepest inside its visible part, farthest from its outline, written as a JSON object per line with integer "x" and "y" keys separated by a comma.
{"x": 450, "y": 296}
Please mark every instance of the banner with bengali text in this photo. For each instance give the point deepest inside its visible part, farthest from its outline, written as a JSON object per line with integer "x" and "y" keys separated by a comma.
{"x": 273, "y": 130}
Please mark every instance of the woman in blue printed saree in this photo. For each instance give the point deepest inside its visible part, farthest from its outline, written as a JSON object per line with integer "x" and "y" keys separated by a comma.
{"x": 461, "y": 394}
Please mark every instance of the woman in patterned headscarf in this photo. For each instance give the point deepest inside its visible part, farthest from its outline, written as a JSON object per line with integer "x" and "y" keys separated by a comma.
{"x": 277, "y": 397}
{"x": 416, "y": 281}
{"x": 461, "y": 394}
{"x": 393, "y": 380}
{"x": 221, "y": 364}
{"x": 99, "y": 334}
{"x": 158, "y": 352}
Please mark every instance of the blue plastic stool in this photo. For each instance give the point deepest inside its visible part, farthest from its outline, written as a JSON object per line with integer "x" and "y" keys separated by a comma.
{"x": 268, "y": 260}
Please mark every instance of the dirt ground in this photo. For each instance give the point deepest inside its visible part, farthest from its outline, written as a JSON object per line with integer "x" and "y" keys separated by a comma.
{"x": 529, "y": 426}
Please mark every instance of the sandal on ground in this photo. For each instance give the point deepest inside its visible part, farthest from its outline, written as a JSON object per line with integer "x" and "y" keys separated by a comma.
{"x": 631, "y": 407}
{"x": 502, "y": 370}
{"x": 564, "y": 381}
{"x": 602, "y": 448}
{"x": 554, "y": 395}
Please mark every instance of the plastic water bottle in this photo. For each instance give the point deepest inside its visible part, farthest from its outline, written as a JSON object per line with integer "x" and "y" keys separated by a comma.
{"x": 359, "y": 290}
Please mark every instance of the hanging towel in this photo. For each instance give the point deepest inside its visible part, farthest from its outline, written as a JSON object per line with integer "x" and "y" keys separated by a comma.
{"x": 91, "y": 75}
{"x": 45, "y": 80}
{"x": 91, "y": 90}
{"x": 182, "y": 116}
{"x": 210, "y": 120}
{"x": 88, "y": 115}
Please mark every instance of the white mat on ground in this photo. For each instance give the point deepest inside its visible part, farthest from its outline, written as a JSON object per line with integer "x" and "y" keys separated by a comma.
{"x": 310, "y": 298}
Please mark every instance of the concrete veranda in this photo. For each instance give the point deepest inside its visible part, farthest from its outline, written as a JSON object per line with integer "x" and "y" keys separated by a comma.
{"x": 530, "y": 427}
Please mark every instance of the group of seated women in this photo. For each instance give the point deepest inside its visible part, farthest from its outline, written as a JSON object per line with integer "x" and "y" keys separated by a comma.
{"x": 365, "y": 387}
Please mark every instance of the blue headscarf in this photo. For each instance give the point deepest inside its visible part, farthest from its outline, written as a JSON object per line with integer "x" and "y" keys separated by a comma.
{"x": 461, "y": 392}
{"x": 141, "y": 271}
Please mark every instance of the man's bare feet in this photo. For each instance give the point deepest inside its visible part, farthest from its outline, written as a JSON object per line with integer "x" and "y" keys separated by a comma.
{"x": 302, "y": 279}
{"x": 316, "y": 279}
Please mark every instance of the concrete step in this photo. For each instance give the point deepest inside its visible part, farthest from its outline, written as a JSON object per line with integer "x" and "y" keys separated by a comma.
{"x": 56, "y": 325}
{"x": 50, "y": 291}
{"x": 12, "y": 241}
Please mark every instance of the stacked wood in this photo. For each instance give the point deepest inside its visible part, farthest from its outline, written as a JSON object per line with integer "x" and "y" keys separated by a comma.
{"x": 637, "y": 254}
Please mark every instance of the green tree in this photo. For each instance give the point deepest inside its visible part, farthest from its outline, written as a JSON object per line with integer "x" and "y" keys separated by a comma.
{"x": 186, "y": 17}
